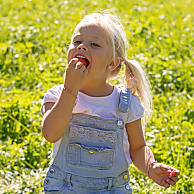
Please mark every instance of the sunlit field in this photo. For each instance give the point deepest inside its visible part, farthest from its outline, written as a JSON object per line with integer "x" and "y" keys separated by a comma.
{"x": 34, "y": 38}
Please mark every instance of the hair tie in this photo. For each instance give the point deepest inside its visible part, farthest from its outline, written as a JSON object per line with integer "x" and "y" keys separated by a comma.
{"x": 131, "y": 74}
{"x": 123, "y": 59}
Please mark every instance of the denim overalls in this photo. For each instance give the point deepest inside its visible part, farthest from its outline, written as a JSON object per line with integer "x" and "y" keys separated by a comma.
{"x": 91, "y": 158}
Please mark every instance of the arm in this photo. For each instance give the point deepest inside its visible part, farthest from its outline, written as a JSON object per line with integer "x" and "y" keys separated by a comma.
{"x": 57, "y": 116}
{"x": 143, "y": 157}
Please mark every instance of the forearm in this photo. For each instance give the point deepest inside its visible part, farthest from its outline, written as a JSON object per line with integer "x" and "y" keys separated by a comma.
{"x": 56, "y": 120}
{"x": 142, "y": 158}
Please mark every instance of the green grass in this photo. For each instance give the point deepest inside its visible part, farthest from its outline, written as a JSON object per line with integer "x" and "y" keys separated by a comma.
{"x": 34, "y": 37}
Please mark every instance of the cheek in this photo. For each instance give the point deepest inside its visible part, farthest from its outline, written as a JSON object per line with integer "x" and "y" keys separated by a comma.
{"x": 107, "y": 58}
{"x": 69, "y": 54}
{"x": 107, "y": 54}
{"x": 103, "y": 55}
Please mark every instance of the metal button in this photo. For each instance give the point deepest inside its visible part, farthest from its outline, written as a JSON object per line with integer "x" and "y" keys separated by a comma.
{"x": 127, "y": 187}
{"x": 125, "y": 177}
{"x": 52, "y": 171}
{"x": 47, "y": 181}
{"x": 120, "y": 123}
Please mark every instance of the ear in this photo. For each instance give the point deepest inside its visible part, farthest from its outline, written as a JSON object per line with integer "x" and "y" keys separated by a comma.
{"x": 114, "y": 64}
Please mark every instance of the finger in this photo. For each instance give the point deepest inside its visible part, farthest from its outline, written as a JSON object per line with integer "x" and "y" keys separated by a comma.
{"x": 173, "y": 172}
{"x": 164, "y": 167}
{"x": 176, "y": 172}
{"x": 82, "y": 67}
{"x": 165, "y": 184}
{"x": 174, "y": 178}
{"x": 79, "y": 65}
{"x": 73, "y": 62}
{"x": 170, "y": 170}
{"x": 170, "y": 181}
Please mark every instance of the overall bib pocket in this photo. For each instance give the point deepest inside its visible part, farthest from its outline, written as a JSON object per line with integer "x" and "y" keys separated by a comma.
{"x": 90, "y": 146}
{"x": 99, "y": 158}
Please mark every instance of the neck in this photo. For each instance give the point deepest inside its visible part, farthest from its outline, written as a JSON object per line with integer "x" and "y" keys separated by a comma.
{"x": 97, "y": 90}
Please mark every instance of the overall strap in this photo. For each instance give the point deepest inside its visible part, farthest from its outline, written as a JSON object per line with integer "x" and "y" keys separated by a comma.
{"x": 124, "y": 99}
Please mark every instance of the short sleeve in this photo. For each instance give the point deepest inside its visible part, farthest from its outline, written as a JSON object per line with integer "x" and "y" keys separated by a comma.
{"x": 52, "y": 95}
{"x": 136, "y": 110}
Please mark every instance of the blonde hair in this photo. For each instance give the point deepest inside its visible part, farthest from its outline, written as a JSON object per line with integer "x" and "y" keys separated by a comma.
{"x": 134, "y": 77}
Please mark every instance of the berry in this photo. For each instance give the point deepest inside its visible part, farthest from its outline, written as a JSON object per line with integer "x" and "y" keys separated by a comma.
{"x": 84, "y": 61}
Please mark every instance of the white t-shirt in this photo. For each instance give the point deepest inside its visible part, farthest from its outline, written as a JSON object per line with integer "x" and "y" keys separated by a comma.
{"x": 99, "y": 106}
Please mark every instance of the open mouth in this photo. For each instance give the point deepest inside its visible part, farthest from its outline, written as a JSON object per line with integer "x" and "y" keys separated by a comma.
{"x": 83, "y": 60}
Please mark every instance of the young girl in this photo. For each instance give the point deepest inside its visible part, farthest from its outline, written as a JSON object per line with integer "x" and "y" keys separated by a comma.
{"x": 95, "y": 126}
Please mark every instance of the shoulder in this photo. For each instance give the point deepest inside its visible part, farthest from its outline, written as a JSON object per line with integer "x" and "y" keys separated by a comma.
{"x": 55, "y": 89}
{"x": 52, "y": 95}
{"x": 135, "y": 108}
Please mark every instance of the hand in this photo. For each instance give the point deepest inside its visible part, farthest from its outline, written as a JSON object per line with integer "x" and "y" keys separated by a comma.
{"x": 75, "y": 75}
{"x": 163, "y": 174}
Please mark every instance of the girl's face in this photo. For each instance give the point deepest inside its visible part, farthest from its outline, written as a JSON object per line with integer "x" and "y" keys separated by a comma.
{"x": 91, "y": 41}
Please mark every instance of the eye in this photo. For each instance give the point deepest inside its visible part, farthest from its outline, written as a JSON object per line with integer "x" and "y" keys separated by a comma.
{"x": 95, "y": 44}
{"x": 77, "y": 42}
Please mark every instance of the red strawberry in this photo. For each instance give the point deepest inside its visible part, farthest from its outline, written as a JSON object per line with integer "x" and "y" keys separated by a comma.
{"x": 84, "y": 61}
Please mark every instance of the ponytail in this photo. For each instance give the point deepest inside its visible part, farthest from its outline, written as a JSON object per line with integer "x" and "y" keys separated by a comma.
{"x": 136, "y": 80}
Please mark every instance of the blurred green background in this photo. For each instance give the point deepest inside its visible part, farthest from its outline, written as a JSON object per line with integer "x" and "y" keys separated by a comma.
{"x": 34, "y": 38}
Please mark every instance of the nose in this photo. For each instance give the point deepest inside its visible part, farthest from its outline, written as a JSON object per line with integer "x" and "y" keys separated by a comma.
{"x": 82, "y": 47}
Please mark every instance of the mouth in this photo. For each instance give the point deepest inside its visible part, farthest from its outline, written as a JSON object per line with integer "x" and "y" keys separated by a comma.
{"x": 83, "y": 59}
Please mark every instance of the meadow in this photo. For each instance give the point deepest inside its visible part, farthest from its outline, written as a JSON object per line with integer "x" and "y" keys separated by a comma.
{"x": 34, "y": 38}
